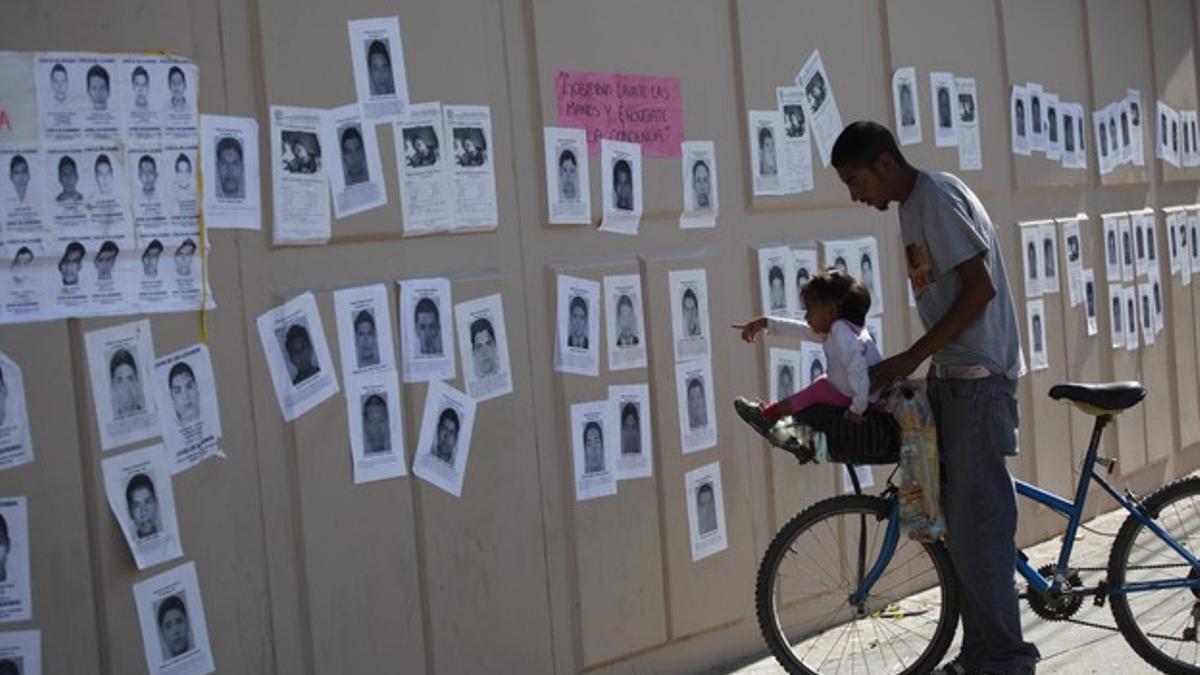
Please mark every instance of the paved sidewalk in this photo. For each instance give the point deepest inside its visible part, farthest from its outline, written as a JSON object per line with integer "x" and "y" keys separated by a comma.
{"x": 1067, "y": 648}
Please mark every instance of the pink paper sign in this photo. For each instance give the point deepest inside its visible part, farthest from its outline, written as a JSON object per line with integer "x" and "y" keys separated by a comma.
{"x": 644, "y": 109}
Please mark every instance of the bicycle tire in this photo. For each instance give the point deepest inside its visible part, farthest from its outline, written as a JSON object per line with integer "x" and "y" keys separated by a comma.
{"x": 879, "y": 510}
{"x": 1164, "y": 505}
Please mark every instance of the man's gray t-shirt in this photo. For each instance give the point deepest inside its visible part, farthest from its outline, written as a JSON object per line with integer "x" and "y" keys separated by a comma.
{"x": 943, "y": 225}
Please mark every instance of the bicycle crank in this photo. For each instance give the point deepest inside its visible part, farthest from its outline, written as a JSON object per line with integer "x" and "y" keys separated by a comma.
{"x": 1058, "y": 603}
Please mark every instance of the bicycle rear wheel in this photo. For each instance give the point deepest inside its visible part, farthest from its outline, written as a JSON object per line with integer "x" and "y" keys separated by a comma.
{"x": 904, "y": 625}
{"x": 1161, "y": 624}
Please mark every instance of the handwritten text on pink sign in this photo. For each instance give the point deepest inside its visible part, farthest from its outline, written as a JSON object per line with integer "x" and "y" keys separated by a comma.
{"x": 643, "y": 109}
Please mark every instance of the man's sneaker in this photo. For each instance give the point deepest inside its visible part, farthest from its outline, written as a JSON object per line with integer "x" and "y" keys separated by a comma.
{"x": 752, "y": 413}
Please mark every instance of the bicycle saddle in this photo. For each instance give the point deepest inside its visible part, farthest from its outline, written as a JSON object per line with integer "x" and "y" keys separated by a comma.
{"x": 1100, "y": 399}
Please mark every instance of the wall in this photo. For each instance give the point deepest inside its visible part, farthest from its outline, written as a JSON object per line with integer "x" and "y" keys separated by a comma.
{"x": 302, "y": 572}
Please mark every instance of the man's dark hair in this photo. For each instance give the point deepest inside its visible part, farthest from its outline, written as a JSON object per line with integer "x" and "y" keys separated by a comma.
{"x": 763, "y": 134}
{"x": 364, "y": 316}
{"x": 630, "y": 410}
{"x": 351, "y": 133}
{"x": 17, "y": 160}
{"x": 121, "y": 357}
{"x": 229, "y": 143}
{"x": 183, "y": 158}
{"x": 173, "y": 602}
{"x": 593, "y": 425}
{"x": 178, "y": 369}
{"x": 139, "y": 482}
{"x": 861, "y": 143}
{"x": 24, "y": 250}
{"x": 97, "y": 71}
{"x": 705, "y": 487}
{"x": 175, "y": 70}
{"x": 102, "y": 159}
{"x": 139, "y": 71}
{"x": 374, "y": 400}
{"x": 567, "y": 154}
{"x": 695, "y": 383}
{"x": 147, "y": 159}
{"x": 73, "y": 248}
{"x": 775, "y": 273}
{"x": 65, "y": 162}
{"x": 449, "y": 414}
{"x": 294, "y": 334}
{"x": 187, "y": 243}
{"x": 482, "y": 326}
{"x": 154, "y": 245}
{"x": 847, "y": 293}
{"x": 699, "y": 163}
{"x": 579, "y": 302}
{"x": 58, "y": 68}
{"x": 621, "y": 166}
{"x": 689, "y": 293}
{"x": 426, "y": 306}
{"x": 624, "y": 301}
{"x": 377, "y": 47}
{"x": 108, "y": 247}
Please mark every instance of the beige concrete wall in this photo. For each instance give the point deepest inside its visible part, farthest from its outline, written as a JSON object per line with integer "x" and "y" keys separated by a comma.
{"x": 302, "y": 572}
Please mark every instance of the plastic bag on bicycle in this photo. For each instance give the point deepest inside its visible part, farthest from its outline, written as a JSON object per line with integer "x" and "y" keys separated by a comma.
{"x": 920, "y": 510}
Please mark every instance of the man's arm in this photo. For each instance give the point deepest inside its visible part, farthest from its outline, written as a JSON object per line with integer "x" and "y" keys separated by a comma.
{"x": 977, "y": 291}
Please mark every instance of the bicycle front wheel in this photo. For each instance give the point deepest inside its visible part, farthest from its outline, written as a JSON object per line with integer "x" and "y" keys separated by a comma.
{"x": 1160, "y": 625}
{"x": 903, "y": 625}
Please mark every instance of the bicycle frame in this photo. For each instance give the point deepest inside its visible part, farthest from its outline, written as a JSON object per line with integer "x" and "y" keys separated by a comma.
{"x": 1073, "y": 511}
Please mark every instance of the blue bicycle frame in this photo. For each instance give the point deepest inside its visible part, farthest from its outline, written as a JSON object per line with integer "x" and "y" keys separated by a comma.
{"x": 1072, "y": 510}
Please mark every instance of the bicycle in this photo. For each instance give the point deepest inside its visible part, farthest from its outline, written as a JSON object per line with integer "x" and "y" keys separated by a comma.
{"x": 891, "y": 603}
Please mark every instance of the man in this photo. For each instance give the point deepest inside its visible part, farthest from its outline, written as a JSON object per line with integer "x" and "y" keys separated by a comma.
{"x": 125, "y": 385}
{"x": 21, "y": 262}
{"x": 379, "y": 69}
{"x": 1052, "y": 124}
{"x": 97, "y": 87}
{"x": 1020, "y": 115}
{"x": 71, "y": 262}
{"x": 1037, "y": 334}
{"x": 300, "y": 353}
{"x": 568, "y": 177}
{"x": 701, "y": 185}
{"x": 801, "y": 280}
{"x": 963, "y": 299}
{"x": 691, "y": 313}
{"x": 840, "y": 264}
{"x": 966, "y": 108}
{"x": 231, "y": 179}
{"x": 577, "y": 329}
{"x": 446, "y": 438}
{"x": 141, "y": 88}
{"x": 1035, "y": 111}
{"x": 472, "y": 153}
{"x": 706, "y": 509}
{"x": 816, "y": 370}
{"x": 622, "y": 185}
{"x": 908, "y": 115}
{"x": 18, "y": 173}
{"x": 631, "y": 429}
{"x": 866, "y": 269}
{"x": 183, "y": 177}
{"x": 185, "y": 395}
{"x": 483, "y": 348}
{"x": 943, "y": 104}
{"x": 183, "y": 258}
{"x": 424, "y": 152}
{"x": 785, "y": 382}
{"x": 697, "y": 408}
{"x": 1048, "y": 257}
{"x": 303, "y": 160}
{"x": 354, "y": 157}
{"x": 778, "y": 299}
{"x": 1089, "y": 291}
{"x": 173, "y": 627}
{"x": 1112, "y": 247}
{"x": 68, "y": 178}
{"x": 627, "y": 333}
{"x": 104, "y": 175}
{"x": 793, "y": 115}
{"x": 366, "y": 340}
{"x": 150, "y": 259}
{"x": 148, "y": 177}
{"x": 105, "y": 260}
{"x": 58, "y": 83}
{"x": 428, "y": 326}
{"x": 815, "y": 91}
{"x": 177, "y": 83}
{"x": 376, "y": 429}
{"x": 593, "y": 448}
{"x": 766, "y": 152}
{"x": 142, "y": 502}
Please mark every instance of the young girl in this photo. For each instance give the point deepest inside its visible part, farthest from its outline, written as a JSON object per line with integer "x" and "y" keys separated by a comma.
{"x": 836, "y": 307}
